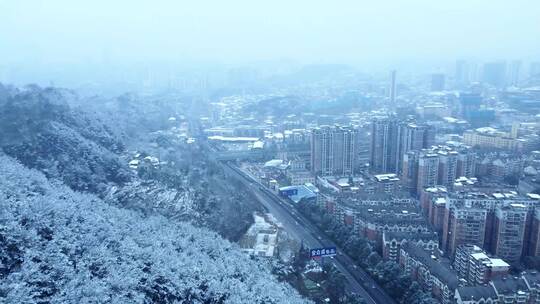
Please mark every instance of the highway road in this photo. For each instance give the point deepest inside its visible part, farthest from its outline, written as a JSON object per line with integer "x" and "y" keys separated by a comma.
{"x": 301, "y": 228}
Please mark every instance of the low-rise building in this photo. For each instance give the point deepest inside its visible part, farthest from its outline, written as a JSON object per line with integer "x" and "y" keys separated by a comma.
{"x": 476, "y": 295}
{"x": 307, "y": 192}
{"x": 392, "y": 242}
{"x": 492, "y": 138}
{"x": 522, "y": 289}
{"x": 430, "y": 270}
{"x": 299, "y": 177}
{"x": 371, "y": 215}
{"x": 511, "y": 290}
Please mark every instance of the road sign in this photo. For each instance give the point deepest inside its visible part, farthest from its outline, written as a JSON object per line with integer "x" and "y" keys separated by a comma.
{"x": 322, "y": 252}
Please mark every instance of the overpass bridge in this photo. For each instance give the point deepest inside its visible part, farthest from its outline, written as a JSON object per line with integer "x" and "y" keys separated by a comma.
{"x": 237, "y": 155}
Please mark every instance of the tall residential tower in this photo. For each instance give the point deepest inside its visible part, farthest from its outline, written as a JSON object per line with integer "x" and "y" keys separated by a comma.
{"x": 391, "y": 139}
{"x": 333, "y": 150}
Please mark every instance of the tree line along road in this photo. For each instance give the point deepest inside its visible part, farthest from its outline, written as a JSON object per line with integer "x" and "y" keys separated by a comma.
{"x": 301, "y": 228}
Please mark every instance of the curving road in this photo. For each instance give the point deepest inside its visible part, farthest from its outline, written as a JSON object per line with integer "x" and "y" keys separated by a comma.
{"x": 302, "y": 229}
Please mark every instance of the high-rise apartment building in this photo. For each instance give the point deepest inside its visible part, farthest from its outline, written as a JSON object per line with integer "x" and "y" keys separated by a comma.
{"x": 466, "y": 164}
{"x": 437, "y": 82}
{"x": 473, "y": 265}
{"x": 469, "y": 103}
{"x": 509, "y": 232}
{"x": 412, "y": 136}
{"x": 428, "y": 170}
{"x": 448, "y": 164}
{"x": 503, "y": 223}
{"x": 333, "y": 150}
{"x": 439, "y": 165}
{"x": 462, "y": 76}
{"x": 533, "y": 248}
{"x": 494, "y": 73}
{"x": 391, "y": 139}
{"x": 409, "y": 174}
{"x": 392, "y": 88}
{"x": 514, "y": 73}
{"x": 384, "y": 145}
{"x": 463, "y": 225}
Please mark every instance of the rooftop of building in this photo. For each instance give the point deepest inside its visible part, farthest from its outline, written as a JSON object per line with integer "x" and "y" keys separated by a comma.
{"x": 275, "y": 163}
{"x": 233, "y": 139}
{"x": 306, "y": 191}
{"x": 301, "y": 173}
{"x": 389, "y": 177}
{"x": 352, "y": 198}
{"x": 438, "y": 266}
{"x": 533, "y": 196}
{"x": 436, "y": 189}
{"x": 476, "y": 194}
{"x": 440, "y": 200}
{"x": 335, "y": 127}
{"x": 532, "y": 277}
{"x": 509, "y": 285}
{"x": 481, "y": 256}
{"x": 393, "y": 214}
{"x": 498, "y": 263}
{"x": 402, "y": 214}
{"x": 476, "y": 293}
{"x": 417, "y": 236}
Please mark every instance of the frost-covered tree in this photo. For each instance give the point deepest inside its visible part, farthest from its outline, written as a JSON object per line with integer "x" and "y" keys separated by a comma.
{"x": 60, "y": 246}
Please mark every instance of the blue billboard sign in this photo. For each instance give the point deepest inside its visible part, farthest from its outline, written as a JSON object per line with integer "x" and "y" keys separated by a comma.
{"x": 322, "y": 252}
{"x": 288, "y": 191}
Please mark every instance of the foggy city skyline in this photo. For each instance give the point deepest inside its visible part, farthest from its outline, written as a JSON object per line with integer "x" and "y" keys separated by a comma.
{"x": 270, "y": 152}
{"x": 68, "y": 39}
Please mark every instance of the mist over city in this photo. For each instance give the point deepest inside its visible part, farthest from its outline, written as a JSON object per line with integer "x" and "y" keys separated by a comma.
{"x": 346, "y": 152}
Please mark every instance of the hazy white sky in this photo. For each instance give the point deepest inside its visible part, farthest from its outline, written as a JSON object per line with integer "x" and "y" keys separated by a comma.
{"x": 234, "y": 31}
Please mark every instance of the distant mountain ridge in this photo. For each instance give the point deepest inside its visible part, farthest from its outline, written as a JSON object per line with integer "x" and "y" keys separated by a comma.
{"x": 41, "y": 130}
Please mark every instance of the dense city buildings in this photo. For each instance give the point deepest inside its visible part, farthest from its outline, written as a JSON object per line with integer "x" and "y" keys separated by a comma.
{"x": 497, "y": 222}
{"x": 441, "y": 182}
{"x": 444, "y": 187}
{"x": 372, "y": 215}
{"x": 439, "y": 165}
